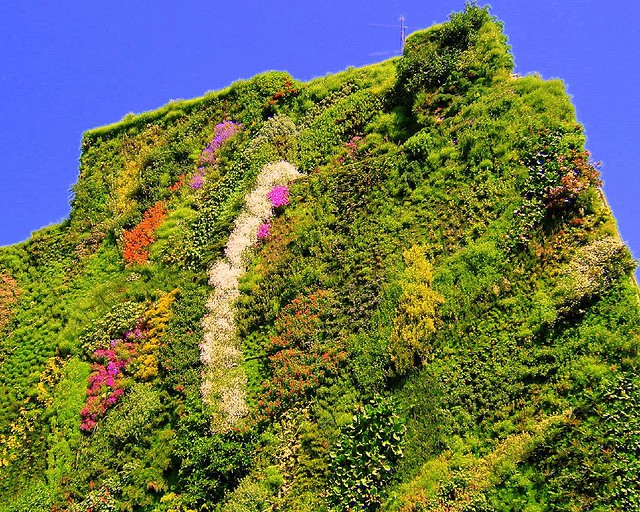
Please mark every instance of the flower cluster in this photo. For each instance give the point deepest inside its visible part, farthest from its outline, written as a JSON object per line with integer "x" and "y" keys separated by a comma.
{"x": 264, "y": 230}
{"x": 279, "y": 196}
{"x": 299, "y": 357}
{"x": 222, "y": 132}
{"x": 132, "y": 356}
{"x": 224, "y": 380}
{"x": 155, "y": 324}
{"x": 287, "y": 90}
{"x": 137, "y": 240}
{"x": 352, "y": 149}
{"x": 178, "y": 184}
{"x": 197, "y": 181}
{"x": 577, "y": 175}
{"x": 106, "y": 382}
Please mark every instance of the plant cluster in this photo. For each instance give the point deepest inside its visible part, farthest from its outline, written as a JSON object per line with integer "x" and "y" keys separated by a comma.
{"x": 366, "y": 456}
{"x": 224, "y": 380}
{"x": 9, "y": 293}
{"x": 417, "y": 314}
{"x": 107, "y": 380}
{"x": 137, "y": 240}
{"x": 133, "y": 356}
{"x": 288, "y": 89}
{"x": 300, "y": 356}
{"x": 279, "y": 196}
{"x": 559, "y": 174}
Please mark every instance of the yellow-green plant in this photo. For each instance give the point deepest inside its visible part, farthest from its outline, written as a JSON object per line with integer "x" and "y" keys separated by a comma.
{"x": 156, "y": 322}
{"x": 416, "y": 315}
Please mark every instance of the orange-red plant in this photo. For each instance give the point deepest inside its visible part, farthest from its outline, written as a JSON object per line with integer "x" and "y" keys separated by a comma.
{"x": 300, "y": 358}
{"x": 137, "y": 240}
{"x": 176, "y": 186}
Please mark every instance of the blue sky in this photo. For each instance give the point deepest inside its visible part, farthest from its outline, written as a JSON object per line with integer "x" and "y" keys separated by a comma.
{"x": 68, "y": 66}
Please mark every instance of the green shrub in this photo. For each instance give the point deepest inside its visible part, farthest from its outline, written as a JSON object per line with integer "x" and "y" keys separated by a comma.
{"x": 365, "y": 457}
{"x": 458, "y": 52}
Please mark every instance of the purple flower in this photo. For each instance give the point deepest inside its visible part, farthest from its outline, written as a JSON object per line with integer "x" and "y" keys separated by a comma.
{"x": 207, "y": 157}
{"x": 197, "y": 182}
{"x": 264, "y": 230}
{"x": 222, "y": 132}
{"x": 279, "y": 196}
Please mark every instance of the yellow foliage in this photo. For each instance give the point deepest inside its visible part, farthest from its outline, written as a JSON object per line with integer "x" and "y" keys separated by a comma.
{"x": 417, "y": 312}
{"x": 156, "y": 320}
{"x": 124, "y": 184}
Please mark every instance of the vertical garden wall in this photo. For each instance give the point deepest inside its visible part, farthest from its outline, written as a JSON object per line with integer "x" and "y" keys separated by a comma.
{"x": 397, "y": 287}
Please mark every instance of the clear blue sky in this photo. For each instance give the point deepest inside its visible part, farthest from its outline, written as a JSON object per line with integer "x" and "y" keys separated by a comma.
{"x": 67, "y": 66}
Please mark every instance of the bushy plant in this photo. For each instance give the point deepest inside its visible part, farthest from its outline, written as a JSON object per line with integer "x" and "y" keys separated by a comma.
{"x": 275, "y": 140}
{"x": 449, "y": 53}
{"x": 300, "y": 356}
{"x": 111, "y": 325}
{"x": 417, "y": 313}
{"x": 592, "y": 269}
{"x": 107, "y": 380}
{"x": 365, "y": 457}
{"x": 9, "y": 293}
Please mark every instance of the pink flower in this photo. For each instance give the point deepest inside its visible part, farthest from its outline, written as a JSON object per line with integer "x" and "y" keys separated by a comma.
{"x": 264, "y": 230}
{"x": 279, "y": 196}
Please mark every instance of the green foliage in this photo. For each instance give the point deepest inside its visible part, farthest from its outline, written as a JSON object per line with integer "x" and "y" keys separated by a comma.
{"x": 465, "y": 49}
{"x": 335, "y": 125}
{"x": 365, "y": 457}
{"x": 132, "y": 421}
{"x": 112, "y": 325}
{"x": 591, "y": 271}
{"x": 276, "y": 140}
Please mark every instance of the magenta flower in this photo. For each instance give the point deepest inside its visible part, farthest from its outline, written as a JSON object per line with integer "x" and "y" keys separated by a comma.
{"x": 279, "y": 196}
{"x": 264, "y": 230}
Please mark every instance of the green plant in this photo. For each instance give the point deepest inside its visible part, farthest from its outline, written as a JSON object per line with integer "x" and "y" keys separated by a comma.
{"x": 365, "y": 457}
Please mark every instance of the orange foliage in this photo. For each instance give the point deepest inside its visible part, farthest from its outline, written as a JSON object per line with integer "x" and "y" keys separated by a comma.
{"x": 176, "y": 186}
{"x": 137, "y": 240}
{"x": 8, "y": 297}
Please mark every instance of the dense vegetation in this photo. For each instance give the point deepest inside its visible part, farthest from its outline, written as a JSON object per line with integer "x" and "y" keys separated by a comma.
{"x": 433, "y": 313}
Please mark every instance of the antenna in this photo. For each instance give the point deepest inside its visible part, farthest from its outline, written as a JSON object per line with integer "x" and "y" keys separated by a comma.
{"x": 403, "y": 36}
